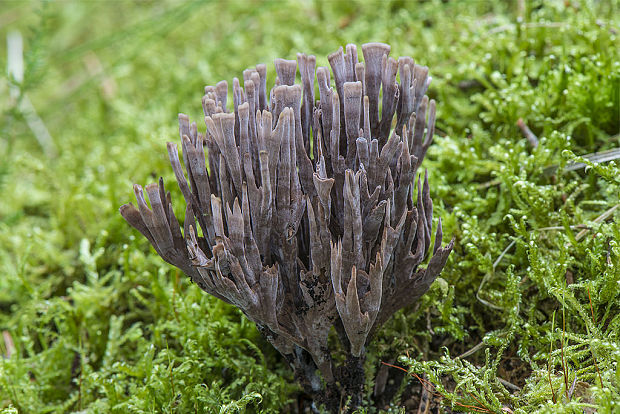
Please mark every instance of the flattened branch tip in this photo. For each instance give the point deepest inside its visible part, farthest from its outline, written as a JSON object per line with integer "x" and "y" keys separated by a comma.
{"x": 311, "y": 213}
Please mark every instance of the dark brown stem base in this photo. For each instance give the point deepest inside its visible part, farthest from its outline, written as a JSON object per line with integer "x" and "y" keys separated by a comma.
{"x": 344, "y": 395}
{"x": 352, "y": 380}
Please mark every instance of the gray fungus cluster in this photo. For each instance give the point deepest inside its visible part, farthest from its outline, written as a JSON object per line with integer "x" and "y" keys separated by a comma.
{"x": 307, "y": 213}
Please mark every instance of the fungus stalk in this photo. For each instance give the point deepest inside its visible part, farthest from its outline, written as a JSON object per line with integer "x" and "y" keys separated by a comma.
{"x": 307, "y": 213}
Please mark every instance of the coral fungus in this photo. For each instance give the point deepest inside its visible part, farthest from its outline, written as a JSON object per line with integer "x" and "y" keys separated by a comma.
{"x": 307, "y": 214}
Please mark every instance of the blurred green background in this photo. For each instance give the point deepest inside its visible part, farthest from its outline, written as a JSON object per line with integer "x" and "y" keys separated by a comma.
{"x": 94, "y": 321}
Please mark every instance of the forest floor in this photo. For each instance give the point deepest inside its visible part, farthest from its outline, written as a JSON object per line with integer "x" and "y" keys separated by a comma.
{"x": 524, "y": 318}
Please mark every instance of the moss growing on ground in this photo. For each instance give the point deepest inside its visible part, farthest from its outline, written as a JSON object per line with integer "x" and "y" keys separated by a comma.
{"x": 526, "y": 315}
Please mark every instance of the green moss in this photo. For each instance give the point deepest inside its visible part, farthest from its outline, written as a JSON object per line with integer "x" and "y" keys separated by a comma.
{"x": 99, "y": 323}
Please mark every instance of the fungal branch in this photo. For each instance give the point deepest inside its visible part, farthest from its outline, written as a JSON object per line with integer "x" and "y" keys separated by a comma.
{"x": 307, "y": 213}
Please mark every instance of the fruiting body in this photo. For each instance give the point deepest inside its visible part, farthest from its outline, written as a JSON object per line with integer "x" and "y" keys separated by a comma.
{"x": 306, "y": 217}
